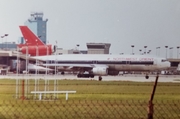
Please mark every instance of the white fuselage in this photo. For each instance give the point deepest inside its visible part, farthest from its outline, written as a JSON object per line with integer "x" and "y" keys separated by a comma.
{"x": 111, "y": 62}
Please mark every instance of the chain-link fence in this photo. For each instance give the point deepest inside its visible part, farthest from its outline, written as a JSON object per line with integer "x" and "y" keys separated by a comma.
{"x": 93, "y": 100}
{"x": 88, "y": 109}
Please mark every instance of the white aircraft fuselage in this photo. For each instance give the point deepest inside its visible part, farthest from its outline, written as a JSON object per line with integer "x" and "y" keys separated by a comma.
{"x": 103, "y": 64}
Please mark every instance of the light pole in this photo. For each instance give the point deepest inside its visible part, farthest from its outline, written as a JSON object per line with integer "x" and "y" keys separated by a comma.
{"x": 132, "y": 49}
{"x": 2, "y": 42}
{"x": 77, "y": 46}
{"x": 140, "y": 51}
{"x": 157, "y": 53}
{"x": 171, "y": 52}
{"x": 5, "y": 35}
{"x": 145, "y": 49}
{"x": 178, "y": 52}
{"x": 149, "y": 52}
{"x": 166, "y": 50}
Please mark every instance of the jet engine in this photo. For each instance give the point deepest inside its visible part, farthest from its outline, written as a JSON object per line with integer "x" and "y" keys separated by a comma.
{"x": 102, "y": 71}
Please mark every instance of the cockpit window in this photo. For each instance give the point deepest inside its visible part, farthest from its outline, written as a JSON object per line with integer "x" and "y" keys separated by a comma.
{"x": 164, "y": 60}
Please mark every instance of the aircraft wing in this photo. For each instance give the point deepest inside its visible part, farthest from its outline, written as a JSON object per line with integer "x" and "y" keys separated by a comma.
{"x": 34, "y": 67}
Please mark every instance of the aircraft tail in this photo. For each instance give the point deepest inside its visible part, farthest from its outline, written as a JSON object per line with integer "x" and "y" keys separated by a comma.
{"x": 29, "y": 37}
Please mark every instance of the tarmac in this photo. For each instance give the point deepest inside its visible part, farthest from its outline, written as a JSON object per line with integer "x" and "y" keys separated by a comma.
{"x": 127, "y": 77}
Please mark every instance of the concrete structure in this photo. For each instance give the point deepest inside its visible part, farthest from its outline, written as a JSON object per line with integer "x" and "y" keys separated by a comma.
{"x": 174, "y": 62}
{"x": 8, "y": 60}
{"x": 61, "y": 51}
{"x": 98, "y": 48}
{"x": 38, "y": 25}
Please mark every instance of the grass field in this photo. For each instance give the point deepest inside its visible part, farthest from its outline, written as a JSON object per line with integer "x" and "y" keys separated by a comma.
{"x": 95, "y": 90}
{"x": 92, "y": 98}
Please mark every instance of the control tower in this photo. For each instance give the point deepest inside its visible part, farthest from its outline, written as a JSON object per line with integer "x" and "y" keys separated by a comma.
{"x": 38, "y": 25}
{"x": 98, "y": 48}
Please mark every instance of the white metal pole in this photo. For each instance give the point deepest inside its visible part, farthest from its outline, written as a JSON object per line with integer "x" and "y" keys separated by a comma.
{"x": 27, "y": 75}
{"x": 26, "y": 84}
{"x": 38, "y": 65}
{"x": 17, "y": 79}
{"x": 48, "y": 67}
{"x": 28, "y": 90}
{"x": 45, "y": 87}
{"x": 55, "y": 80}
{"x": 36, "y": 72}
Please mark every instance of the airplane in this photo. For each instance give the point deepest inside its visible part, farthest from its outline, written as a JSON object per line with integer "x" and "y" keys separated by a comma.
{"x": 34, "y": 46}
{"x": 103, "y": 64}
{"x": 93, "y": 64}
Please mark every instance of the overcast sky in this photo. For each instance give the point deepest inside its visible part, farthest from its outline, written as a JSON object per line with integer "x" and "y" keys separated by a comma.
{"x": 155, "y": 23}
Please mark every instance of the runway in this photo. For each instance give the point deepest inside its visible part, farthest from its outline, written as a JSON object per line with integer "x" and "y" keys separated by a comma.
{"x": 134, "y": 78}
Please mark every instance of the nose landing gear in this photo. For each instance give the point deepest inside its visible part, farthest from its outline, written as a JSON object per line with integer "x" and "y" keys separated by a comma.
{"x": 100, "y": 78}
{"x": 147, "y": 76}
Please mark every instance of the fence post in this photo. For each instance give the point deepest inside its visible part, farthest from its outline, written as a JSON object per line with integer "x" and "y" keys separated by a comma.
{"x": 151, "y": 106}
{"x": 23, "y": 97}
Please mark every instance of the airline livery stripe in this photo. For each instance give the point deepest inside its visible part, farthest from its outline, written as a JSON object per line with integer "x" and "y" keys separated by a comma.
{"x": 101, "y": 62}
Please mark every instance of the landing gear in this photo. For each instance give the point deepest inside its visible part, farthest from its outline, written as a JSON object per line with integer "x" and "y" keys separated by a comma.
{"x": 62, "y": 73}
{"x": 85, "y": 75}
{"x": 100, "y": 78}
{"x": 147, "y": 77}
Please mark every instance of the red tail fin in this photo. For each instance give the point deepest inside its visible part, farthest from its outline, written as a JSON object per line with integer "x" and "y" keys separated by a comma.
{"x": 29, "y": 37}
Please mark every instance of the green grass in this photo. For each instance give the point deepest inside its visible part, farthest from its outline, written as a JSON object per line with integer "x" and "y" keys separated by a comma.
{"x": 94, "y": 99}
{"x": 96, "y": 90}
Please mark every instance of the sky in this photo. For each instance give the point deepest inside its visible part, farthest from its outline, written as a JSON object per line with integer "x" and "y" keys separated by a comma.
{"x": 123, "y": 23}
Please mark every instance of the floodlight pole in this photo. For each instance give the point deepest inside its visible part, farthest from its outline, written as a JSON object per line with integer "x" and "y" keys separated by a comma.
{"x": 6, "y": 35}
{"x": 132, "y": 49}
{"x": 178, "y": 52}
{"x": 166, "y": 50}
{"x": 2, "y": 42}
{"x": 145, "y": 49}
{"x": 151, "y": 105}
